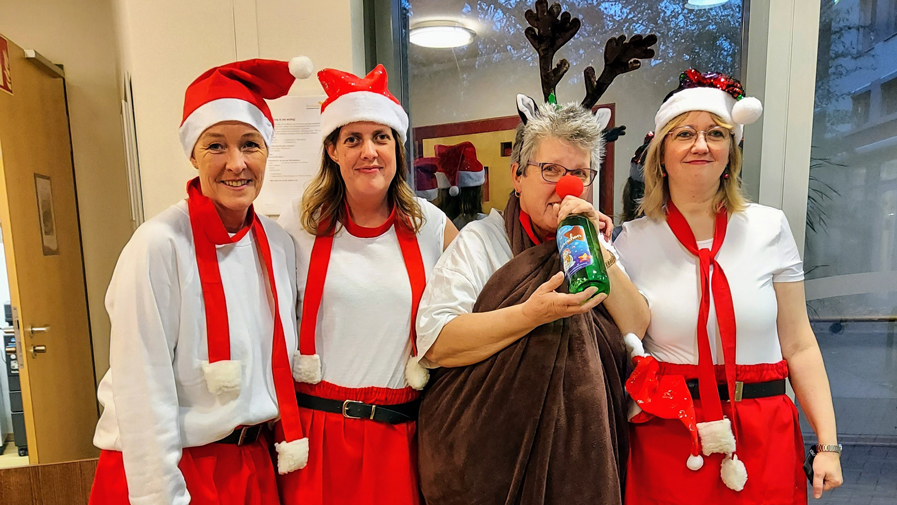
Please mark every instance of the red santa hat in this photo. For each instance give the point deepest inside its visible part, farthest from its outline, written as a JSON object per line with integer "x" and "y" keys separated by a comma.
{"x": 351, "y": 99}
{"x": 711, "y": 92}
{"x": 237, "y": 92}
{"x": 459, "y": 167}
{"x": 426, "y": 184}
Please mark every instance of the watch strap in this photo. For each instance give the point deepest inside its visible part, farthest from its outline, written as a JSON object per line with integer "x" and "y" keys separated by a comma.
{"x": 828, "y": 448}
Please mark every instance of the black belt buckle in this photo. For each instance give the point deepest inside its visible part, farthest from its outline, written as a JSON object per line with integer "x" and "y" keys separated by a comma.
{"x": 350, "y": 403}
{"x": 249, "y": 434}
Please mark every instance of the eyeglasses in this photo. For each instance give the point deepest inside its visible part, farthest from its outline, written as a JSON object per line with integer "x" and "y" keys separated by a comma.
{"x": 687, "y": 136}
{"x": 552, "y": 172}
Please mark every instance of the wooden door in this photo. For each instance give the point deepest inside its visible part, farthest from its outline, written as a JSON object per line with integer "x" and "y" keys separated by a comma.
{"x": 39, "y": 218}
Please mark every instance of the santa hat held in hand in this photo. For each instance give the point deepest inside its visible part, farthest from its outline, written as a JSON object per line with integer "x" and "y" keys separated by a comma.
{"x": 237, "y": 92}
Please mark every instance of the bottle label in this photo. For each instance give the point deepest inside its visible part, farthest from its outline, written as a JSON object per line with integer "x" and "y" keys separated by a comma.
{"x": 573, "y": 248}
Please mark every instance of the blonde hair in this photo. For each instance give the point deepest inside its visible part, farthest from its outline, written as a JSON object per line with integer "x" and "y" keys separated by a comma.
{"x": 322, "y": 203}
{"x": 657, "y": 190}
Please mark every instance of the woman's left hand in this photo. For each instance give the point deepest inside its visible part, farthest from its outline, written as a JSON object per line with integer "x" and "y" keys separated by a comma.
{"x": 826, "y": 473}
{"x": 572, "y": 205}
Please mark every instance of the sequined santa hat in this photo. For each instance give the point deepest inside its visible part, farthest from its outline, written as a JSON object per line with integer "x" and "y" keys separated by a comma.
{"x": 351, "y": 99}
{"x": 712, "y": 92}
{"x": 237, "y": 92}
{"x": 426, "y": 184}
{"x": 459, "y": 167}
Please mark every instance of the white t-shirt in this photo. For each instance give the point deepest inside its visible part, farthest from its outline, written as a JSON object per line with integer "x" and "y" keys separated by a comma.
{"x": 364, "y": 322}
{"x": 480, "y": 249}
{"x": 155, "y": 395}
{"x": 758, "y": 250}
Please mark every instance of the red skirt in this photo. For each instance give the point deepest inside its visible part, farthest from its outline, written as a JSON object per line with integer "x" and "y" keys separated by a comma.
{"x": 769, "y": 443}
{"x": 355, "y": 461}
{"x": 216, "y": 474}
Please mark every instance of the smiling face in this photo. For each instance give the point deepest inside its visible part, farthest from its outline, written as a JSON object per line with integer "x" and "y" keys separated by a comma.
{"x": 537, "y": 197}
{"x": 230, "y": 157}
{"x": 366, "y": 155}
{"x": 696, "y": 168}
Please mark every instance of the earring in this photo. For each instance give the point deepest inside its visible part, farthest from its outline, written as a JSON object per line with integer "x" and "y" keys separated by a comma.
{"x": 517, "y": 193}
{"x": 726, "y": 173}
{"x": 663, "y": 170}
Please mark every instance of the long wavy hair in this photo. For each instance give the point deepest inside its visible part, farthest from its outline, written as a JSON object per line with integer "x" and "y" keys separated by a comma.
{"x": 657, "y": 190}
{"x": 323, "y": 207}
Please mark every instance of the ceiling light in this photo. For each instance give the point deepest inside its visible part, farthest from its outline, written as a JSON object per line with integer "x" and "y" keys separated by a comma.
{"x": 703, "y": 4}
{"x": 441, "y": 34}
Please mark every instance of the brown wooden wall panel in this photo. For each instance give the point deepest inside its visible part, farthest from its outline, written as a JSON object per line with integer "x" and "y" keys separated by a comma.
{"x": 55, "y": 484}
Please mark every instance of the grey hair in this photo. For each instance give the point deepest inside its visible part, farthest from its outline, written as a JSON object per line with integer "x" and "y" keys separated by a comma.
{"x": 568, "y": 122}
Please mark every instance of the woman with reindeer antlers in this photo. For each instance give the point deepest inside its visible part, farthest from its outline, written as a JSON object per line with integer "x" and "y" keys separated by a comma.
{"x": 526, "y": 399}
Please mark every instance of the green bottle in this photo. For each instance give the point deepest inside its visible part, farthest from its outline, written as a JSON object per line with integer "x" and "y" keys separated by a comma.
{"x": 578, "y": 245}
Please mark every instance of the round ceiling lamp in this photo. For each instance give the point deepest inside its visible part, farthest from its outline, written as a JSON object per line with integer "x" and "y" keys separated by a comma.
{"x": 441, "y": 34}
{"x": 704, "y": 4}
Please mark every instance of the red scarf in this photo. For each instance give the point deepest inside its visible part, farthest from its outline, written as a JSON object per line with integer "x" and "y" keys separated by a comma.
{"x": 725, "y": 311}
{"x": 320, "y": 261}
{"x": 527, "y": 224}
{"x": 209, "y": 232}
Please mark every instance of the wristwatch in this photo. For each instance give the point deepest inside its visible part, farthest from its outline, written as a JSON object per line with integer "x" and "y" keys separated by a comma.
{"x": 828, "y": 448}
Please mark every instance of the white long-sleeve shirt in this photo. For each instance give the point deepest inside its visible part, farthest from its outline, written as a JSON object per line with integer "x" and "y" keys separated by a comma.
{"x": 155, "y": 396}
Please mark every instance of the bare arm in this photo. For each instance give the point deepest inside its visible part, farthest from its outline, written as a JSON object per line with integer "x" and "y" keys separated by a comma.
{"x": 473, "y": 337}
{"x": 449, "y": 234}
{"x": 809, "y": 379}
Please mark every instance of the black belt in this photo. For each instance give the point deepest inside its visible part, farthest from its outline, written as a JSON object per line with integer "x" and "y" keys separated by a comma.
{"x": 243, "y": 436}
{"x": 389, "y": 414}
{"x": 742, "y": 390}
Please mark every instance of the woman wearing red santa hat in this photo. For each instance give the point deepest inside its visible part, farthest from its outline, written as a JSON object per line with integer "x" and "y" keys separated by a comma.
{"x": 365, "y": 246}
{"x": 711, "y": 422}
{"x": 202, "y": 307}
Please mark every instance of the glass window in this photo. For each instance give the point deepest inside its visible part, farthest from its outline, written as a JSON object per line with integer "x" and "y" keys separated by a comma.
{"x": 467, "y": 93}
{"x": 851, "y": 240}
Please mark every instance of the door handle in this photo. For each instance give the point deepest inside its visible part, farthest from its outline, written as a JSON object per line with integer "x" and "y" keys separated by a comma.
{"x": 38, "y": 349}
{"x": 38, "y": 329}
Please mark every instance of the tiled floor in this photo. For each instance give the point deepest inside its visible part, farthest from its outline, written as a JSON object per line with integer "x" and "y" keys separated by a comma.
{"x": 861, "y": 360}
{"x": 870, "y": 477}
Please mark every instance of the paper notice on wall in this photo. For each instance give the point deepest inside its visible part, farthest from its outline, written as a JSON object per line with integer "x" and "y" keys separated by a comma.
{"x": 295, "y": 154}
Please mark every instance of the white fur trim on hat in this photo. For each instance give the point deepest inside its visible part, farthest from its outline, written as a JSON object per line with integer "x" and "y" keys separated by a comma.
{"x": 416, "y": 375}
{"x": 223, "y": 109}
{"x": 716, "y": 437}
{"x": 307, "y": 368}
{"x": 364, "y": 106}
{"x": 713, "y": 100}
{"x": 733, "y": 473}
{"x": 465, "y": 179}
{"x": 634, "y": 345}
{"x": 301, "y": 67}
{"x": 427, "y": 194}
{"x": 222, "y": 376}
{"x": 291, "y": 455}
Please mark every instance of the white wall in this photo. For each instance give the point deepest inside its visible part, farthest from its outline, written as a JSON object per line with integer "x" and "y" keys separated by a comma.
{"x": 166, "y": 44}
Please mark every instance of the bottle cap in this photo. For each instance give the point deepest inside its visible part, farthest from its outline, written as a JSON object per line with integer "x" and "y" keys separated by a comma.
{"x": 569, "y": 185}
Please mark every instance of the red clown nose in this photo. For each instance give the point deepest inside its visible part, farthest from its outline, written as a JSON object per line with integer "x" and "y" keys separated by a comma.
{"x": 569, "y": 185}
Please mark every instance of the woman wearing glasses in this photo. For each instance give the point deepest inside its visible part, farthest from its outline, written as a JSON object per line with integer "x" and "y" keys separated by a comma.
{"x": 724, "y": 281}
{"x": 523, "y": 372}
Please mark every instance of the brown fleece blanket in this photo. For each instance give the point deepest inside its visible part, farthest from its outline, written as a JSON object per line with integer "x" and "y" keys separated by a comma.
{"x": 541, "y": 422}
